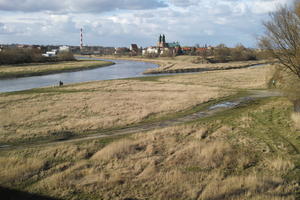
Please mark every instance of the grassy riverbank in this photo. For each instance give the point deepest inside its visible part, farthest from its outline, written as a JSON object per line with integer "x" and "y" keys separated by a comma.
{"x": 250, "y": 152}
{"x": 181, "y": 64}
{"x": 88, "y": 107}
{"x": 15, "y": 71}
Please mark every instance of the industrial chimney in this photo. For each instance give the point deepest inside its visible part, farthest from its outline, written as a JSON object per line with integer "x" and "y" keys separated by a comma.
{"x": 81, "y": 38}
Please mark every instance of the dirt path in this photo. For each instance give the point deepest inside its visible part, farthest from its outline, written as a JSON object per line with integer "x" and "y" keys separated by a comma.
{"x": 210, "y": 111}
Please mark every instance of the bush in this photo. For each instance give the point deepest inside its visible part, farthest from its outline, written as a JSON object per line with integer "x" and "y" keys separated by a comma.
{"x": 221, "y": 53}
{"x": 17, "y": 56}
{"x": 65, "y": 56}
{"x": 240, "y": 53}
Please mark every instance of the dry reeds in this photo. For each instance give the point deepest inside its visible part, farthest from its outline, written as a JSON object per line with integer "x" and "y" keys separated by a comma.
{"x": 169, "y": 163}
{"x": 296, "y": 119}
{"x": 16, "y": 169}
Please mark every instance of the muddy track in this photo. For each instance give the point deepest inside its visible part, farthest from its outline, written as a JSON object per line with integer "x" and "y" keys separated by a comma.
{"x": 210, "y": 111}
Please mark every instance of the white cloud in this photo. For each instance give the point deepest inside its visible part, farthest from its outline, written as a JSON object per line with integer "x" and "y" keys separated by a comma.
{"x": 31, "y": 5}
{"x": 184, "y": 3}
{"x": 187, "y": 21}
{"x": 78, "y": 5}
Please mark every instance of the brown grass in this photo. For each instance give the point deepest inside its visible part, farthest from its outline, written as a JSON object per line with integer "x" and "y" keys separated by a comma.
{"x": 194, "y": 161}
{"x": 296, "y": 120}
{"x": 172, "y": 66}
{"x": 205, "y": 160}
{"x": 235, "y": 79}
{"x": 107, "y": 104}
{"x": 99, "y": 105}
{"x": 169, "y": 64}
{"x": 172, "y": 164}
{"x": 17, "y": 169}
{"x": 115, "y": 150}
{"x": 9, "y": 71}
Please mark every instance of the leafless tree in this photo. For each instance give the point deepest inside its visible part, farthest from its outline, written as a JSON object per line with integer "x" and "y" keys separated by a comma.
{"x": 282, "y": 41}
{"x": 282, "y": 37}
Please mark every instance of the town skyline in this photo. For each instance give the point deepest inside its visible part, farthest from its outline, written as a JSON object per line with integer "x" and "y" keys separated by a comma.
{"x": 119, "y": 24}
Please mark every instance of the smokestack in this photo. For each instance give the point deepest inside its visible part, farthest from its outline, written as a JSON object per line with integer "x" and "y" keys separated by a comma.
{"x": 81, "y": 38}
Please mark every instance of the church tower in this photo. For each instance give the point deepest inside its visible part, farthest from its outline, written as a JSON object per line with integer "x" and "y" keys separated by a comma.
{"x": 161, "y": 41}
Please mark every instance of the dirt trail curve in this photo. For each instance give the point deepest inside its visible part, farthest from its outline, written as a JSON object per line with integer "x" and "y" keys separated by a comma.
{"x": 210, "y": 111}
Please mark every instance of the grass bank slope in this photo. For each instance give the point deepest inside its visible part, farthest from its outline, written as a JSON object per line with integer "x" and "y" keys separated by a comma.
{"x": 251, "y": 152}
{"x": 81, "y": 108}
{"x": 15, "y": 71}
{"x": 181, "y": 64}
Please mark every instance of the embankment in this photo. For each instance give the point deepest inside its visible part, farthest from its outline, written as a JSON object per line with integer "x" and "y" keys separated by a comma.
{"x": 18, "y": 71}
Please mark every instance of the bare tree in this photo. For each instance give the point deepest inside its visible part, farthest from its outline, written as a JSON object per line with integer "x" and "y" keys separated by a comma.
{"x": 282, "y": 41}
{"x": 282, "y": 37}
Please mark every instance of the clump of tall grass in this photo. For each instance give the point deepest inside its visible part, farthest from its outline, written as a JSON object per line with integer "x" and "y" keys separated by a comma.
{"x": 14, "y": 170}
{"x": 115, "y": 150}
{"x": 296, "y": 120}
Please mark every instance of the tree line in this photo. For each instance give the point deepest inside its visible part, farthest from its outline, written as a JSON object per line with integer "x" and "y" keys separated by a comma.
{"x": 22, "y": 56}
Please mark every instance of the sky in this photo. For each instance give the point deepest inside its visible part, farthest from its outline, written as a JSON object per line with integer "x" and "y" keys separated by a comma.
{"x": 119, "y": 23}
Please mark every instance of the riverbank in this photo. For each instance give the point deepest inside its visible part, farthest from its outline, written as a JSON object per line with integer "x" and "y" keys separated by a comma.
{"x": 17, "y": 71}
{"x": 185, "y": 64}
{"x": 87, "y": 107}
{"x": 249, "y": 152}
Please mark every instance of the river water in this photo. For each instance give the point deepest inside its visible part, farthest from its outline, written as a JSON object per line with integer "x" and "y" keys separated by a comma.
{"x": 122, "y": 69}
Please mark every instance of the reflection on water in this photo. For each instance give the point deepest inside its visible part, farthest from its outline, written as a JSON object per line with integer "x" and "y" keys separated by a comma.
{"x": 122, "y": 69}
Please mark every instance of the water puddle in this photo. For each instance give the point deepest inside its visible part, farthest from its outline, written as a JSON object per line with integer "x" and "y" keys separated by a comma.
{"x": 224, "y": 105}
{"x": 4, "y": 146}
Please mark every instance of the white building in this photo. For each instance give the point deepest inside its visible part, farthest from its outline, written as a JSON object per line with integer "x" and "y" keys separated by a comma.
{"x": 50, "y": 53}
{"x": 151, "y": 50}
{"x": 64, "y": 48}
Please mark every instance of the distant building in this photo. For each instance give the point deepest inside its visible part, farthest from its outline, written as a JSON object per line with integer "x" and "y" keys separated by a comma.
{"x": 64, "y": 48}
{"x": 151, "y": 50}
{"x": 163, "y": 47}
{"x": 52, "y": 53}
{"x": 195, "y": 50}
{"x": 122, "y": 51}
{"x": 134, "y": 49}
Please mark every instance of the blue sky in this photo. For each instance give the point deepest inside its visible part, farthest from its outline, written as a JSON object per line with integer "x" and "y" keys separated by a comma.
{"x": 122, "y": 22}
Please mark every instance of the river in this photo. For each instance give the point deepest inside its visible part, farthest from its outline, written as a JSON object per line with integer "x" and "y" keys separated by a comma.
{"x": 121, "y": 69}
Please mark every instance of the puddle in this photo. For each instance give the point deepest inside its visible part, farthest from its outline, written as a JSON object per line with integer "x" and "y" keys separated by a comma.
{"x": 224, "y": 105}
{"x": 4, "y": 146}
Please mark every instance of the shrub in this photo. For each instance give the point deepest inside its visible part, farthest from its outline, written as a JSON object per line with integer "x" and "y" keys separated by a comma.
{"x": 296, "y": 120}
{"x": 65, "y": 56}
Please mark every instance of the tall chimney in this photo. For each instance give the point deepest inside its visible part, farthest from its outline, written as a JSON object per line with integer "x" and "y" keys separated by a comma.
{"x": 81, "y": 38}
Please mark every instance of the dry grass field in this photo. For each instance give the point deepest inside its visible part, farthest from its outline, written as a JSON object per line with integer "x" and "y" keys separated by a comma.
{"x": 173, "y": 64}
{"x": 11, "y": 71}
{"x": 80, "y": 108}
{"x": 296, "y": 119}
{"x": 250, "y": 152}
{"x": 232, "y": 156}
